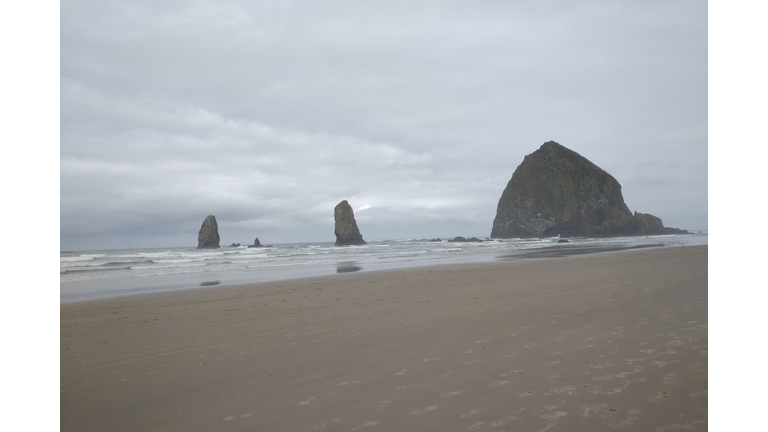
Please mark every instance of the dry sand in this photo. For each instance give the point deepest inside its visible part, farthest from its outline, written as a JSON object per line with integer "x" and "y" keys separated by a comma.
{"x": 590, "y": 342}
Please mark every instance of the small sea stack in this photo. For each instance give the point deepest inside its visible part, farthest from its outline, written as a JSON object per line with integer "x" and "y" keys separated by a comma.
{"x": 208, "y": 236}
{"x": 256, "y": 243}
{"x": 346, "y": 229}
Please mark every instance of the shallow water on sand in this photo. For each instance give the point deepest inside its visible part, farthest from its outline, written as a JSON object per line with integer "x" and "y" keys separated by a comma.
{"x": 106, "y": 273}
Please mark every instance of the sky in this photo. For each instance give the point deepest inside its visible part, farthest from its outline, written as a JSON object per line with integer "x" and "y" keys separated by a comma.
{"x": 267, "y": 114}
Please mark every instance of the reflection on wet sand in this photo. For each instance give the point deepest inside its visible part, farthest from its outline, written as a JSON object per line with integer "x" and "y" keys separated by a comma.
{"x": 347, "y": 267}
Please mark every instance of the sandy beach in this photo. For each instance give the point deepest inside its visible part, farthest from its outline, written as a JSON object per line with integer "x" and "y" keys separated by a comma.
{"x": 587, "y": 342}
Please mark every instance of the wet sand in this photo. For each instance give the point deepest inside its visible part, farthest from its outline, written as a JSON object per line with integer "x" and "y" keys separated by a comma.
{"x": 587, "y": 342}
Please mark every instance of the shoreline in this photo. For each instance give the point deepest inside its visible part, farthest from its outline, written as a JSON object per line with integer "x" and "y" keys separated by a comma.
{"x": 585, "y": 342}
{"x": 95, "y": 289}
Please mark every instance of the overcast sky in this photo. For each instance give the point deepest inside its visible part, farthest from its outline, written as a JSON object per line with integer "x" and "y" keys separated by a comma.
{"x": 268, "y": 114}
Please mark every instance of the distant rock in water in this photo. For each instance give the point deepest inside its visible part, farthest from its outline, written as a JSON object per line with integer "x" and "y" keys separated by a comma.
{"x": 256, "y": 243}
{"x": 346, "y": 228}
{"x": 556, "y": 191}
{"x": 208, "y": 237}
{"x": 465, "y": 240}
{"x": 234, "y": 245}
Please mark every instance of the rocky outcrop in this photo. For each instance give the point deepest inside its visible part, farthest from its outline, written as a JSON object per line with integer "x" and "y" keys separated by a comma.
{"x": 208, "y": 236}
{"x": 346, "y": 229}
{"x": 256, "y": 243}
{"x": 234, "y": 245}
{"x": 668, "y": 230}
{"x": 556, "y": 191}
{"x": 648, "y": 224}
{"x": 465, "y": 240}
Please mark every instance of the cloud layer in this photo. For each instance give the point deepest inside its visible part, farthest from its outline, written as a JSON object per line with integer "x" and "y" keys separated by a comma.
{"x": 267, "y": 114}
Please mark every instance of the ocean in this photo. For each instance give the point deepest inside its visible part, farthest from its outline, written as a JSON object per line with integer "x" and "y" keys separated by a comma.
{"x": 105, "y": 273}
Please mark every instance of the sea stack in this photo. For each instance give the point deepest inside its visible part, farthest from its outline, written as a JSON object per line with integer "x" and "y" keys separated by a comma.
{"x": 556, "y": 191}
{"x": 208, "y": 236}
{"x": 346, "y": 228}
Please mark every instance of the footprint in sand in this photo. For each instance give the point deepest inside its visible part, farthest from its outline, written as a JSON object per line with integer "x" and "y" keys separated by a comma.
{"x": 502, "y": 422}
{"x": 406, "y": 386}
{"x": 453, "y": 393}
{"x": 593, "y": 409}
{"x": 498, "y": 383}
{"x": 470, "y": 413}
{"x": 553, "y": 417}
{"x": 306, "y": 401}
{"x": 369, "y": 424}
{"x": 496, "y": 423}
{"x": 427, "y": 409}
{"x": 631, "y": 417}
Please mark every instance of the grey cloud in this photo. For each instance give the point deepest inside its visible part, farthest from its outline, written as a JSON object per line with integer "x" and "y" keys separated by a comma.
{"x": 267, "y": 114}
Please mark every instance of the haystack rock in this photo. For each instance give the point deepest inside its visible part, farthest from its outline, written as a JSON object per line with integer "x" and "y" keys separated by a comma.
{"x": 346, "y": 228}
{"x": 256, "y": 243}
{"x": 208, "y": 237}
{"x": 557, "y": 191}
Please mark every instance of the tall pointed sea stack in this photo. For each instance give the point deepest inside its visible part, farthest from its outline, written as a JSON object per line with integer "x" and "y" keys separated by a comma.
{"x": 346, "y": 228}
{"x": 208, "y": 237}
{"x": 557, "y": 191}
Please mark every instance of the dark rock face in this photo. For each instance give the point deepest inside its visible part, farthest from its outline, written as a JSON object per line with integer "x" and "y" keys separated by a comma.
{"x": 557, "y": 191}
{"x": 208, "y": 237}
{"x": 234, "y": 245}
{"x": 668, "y": 230}
{"x": 648, "y": 224}
{"x": 346, "y": 228}
{"x": 465, "y": 240}
{"x": 256, "y": 243}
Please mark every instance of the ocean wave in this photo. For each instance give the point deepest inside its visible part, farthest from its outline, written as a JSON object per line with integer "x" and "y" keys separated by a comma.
{"x": 117, "y": 263}
{"x": 80, "y": 258}
{"x": 92, "y": 270}
{"x": 154, "y": 267}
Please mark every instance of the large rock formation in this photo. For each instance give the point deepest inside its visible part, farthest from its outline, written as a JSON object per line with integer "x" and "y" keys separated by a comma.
{"x": 556, "y": 191}
{"x": 346, "y": 228}
{"x": 208, "y": 236}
